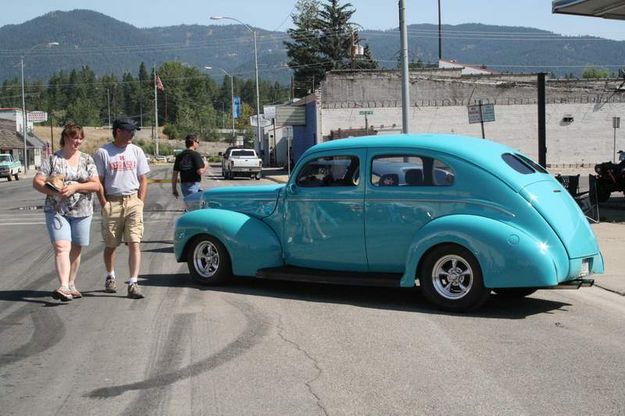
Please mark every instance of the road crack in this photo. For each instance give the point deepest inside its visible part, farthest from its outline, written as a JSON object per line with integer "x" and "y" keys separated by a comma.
{"x": 315, "y": 363}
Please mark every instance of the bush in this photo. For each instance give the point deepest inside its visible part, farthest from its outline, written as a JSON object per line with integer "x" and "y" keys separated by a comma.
{"x": 171, "y": 132}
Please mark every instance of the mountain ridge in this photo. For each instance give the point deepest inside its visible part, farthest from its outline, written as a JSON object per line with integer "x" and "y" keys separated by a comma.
{"x": 108, "y": 45}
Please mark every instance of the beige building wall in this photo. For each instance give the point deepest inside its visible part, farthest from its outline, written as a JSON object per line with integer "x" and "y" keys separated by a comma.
{"x": 439, "y": 105}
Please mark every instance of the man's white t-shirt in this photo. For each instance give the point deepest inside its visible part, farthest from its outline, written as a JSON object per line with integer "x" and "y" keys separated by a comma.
{"x": 121, "y": 168}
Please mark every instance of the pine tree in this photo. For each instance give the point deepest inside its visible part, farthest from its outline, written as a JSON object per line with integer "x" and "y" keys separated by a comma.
{"x": 323, "y": 39}
{"x": 337, "y": 34}
{"x": 304, "y": 51}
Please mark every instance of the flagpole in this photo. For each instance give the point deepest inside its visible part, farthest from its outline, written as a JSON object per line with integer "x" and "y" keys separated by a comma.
{"x": 155, "y": 114}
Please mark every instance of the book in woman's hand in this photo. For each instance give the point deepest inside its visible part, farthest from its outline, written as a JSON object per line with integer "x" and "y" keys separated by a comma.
{"x": 55, "y": 182}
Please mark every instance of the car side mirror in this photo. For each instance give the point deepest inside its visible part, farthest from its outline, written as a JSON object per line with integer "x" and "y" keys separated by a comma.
{"x": 291, "y": 188}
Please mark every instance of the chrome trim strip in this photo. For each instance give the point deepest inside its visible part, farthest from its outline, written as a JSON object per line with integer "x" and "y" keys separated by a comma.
{"x": 411, "y": 201}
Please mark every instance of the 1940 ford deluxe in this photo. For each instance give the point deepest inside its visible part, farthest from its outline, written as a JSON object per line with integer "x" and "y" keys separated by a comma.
{"x": 460, "y": 216}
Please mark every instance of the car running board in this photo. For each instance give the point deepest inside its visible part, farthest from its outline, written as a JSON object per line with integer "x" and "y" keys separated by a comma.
{"x": 300, "y": 274}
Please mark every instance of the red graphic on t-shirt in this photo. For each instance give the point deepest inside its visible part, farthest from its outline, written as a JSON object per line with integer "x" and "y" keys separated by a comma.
{"x": 122, "y": 164}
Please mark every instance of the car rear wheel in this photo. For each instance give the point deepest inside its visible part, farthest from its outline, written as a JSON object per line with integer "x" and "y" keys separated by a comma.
{"x": 451, "y": 279}
{"x": 515, "y": 292}
{"x": 208, "y": 261}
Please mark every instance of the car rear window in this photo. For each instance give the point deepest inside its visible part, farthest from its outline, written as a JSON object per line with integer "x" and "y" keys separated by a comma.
{"x": 410, "y": 170}
{"x": 522, "y": 164}
{"x": 243, "y": 153}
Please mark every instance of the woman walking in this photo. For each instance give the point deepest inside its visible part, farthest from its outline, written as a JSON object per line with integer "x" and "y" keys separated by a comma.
{"x": 68, "y": 178}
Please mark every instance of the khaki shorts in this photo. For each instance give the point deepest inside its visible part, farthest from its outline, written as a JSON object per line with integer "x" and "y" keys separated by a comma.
{"x": 122, "y": 216}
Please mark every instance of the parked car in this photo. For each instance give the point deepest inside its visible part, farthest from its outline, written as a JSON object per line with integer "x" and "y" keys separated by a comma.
{"x": 160, "y": 159}
{"x": 461, "y": 217}
{"x": 9, "y": 167}
{"x": 241, "y": 162}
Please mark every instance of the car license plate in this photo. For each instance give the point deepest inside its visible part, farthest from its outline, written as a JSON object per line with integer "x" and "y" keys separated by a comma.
{"x": 585, "y": 271}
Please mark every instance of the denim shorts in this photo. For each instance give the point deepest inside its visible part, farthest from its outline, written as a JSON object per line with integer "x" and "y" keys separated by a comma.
{"x": 62, "y": 228}
{"x": 189, "y": 188}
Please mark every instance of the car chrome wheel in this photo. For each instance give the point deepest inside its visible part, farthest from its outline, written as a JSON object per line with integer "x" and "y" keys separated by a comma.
{"x": 208, "y": 260}
{"x": 452, "y": 277}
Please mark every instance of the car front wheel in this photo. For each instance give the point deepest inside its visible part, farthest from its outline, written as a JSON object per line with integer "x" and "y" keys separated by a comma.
{"x": 208, "y": 261}
{"x": 451, "y": 279}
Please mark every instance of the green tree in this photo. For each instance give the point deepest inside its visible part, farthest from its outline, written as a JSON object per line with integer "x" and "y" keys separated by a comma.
{"x": 594, "y": 72}
{"x": 337, "y": 34}
{"x": 323, "y": 39}
{"x": 304, "y": 50}
{"x": 171, "y": 132}
{"x": 366, "y": 60}
{"x": 10, "y": 93}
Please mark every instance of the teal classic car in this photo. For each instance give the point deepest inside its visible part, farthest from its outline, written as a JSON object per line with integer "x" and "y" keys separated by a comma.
{"x": 458, "y": 216}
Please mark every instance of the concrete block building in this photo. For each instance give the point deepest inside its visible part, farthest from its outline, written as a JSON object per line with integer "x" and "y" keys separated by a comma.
{"x": 579, "y": 113}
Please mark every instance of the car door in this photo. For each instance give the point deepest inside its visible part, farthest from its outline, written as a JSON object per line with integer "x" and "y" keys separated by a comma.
{"x": 404, "y": 190}
{"x": 324, "y": 218}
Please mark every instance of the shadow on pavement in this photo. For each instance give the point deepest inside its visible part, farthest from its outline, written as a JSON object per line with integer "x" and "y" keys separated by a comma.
{"x": 30, "y": 296}
{"x": 399, "y": 299}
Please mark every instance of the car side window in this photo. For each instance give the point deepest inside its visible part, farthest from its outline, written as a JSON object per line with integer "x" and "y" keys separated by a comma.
{"x": 329, "y": 171}
{"x": 410, "y": 170}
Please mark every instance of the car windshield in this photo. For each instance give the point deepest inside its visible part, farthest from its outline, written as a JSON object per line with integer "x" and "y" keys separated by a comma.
{"x": 4, "y": 158}
{"x": 330, "y": 171}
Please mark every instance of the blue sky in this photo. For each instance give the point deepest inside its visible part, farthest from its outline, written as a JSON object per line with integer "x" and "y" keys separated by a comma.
{"x": 371, "y": 14}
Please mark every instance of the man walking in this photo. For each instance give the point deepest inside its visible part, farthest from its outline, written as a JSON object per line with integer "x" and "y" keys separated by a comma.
{"x": 191, "y": 166}
{"x": 122, "y": 167}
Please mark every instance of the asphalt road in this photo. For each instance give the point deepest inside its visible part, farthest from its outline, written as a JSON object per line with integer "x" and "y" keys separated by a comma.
{"x": 281, "y": 348}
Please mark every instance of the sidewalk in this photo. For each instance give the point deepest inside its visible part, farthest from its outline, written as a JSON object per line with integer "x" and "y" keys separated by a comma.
{"x": 278, "y": 175}
{"x": 612, "y": 244}
{"x": 611, "y": 237}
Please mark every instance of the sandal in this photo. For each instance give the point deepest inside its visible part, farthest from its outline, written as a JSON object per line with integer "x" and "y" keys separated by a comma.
{"x": 74, "y": 292}
{"x": 62, "y": 294}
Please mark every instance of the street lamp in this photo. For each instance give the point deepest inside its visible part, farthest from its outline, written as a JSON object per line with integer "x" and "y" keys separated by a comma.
{"x": 258, "y": 134}
{"x": 24, "y": 117}
{"x": 231, "y": 96}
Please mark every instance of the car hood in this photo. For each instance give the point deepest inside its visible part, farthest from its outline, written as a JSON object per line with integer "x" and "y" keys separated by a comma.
{"x": 258, "y": 201}
{"x": 564, "y": 216}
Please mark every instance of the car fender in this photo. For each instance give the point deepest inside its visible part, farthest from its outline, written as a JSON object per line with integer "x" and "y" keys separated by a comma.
{"x": 251, "y": 243}
{"x": 508, "y": 256}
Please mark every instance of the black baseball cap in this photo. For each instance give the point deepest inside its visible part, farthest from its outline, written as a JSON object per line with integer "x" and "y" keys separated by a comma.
{"x": 125, "y": 124}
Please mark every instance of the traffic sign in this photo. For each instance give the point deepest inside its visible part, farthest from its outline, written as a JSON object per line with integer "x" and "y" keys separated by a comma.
{"x": 487, "y": 113}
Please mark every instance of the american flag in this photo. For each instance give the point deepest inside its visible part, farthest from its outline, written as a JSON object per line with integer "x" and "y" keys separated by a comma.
{"x": 159, "y": 84}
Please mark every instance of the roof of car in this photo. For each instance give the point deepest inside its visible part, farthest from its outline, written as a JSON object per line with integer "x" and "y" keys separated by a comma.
{"x": 461, "y": 145}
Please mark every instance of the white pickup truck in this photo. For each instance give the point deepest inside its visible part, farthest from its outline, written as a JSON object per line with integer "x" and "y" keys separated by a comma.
{"x": 9, "y": 167}
{"x": 241, "y": 162}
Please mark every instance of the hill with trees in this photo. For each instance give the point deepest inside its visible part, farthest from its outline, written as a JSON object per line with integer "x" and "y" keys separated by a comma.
{"x": 109, "y": 46}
